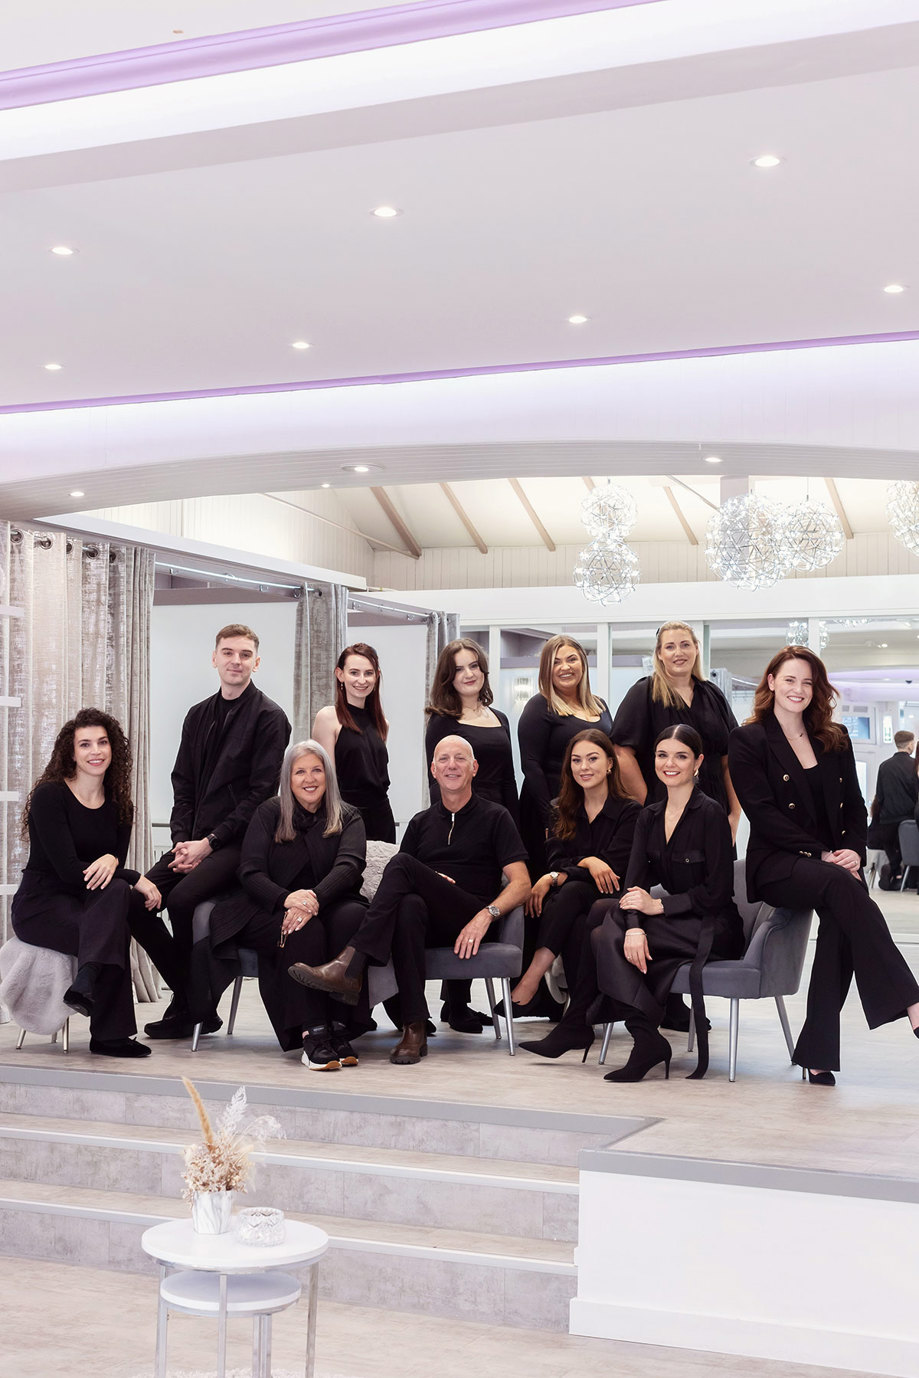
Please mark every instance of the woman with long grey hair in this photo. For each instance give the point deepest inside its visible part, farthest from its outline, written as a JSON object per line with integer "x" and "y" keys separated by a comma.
{"x": 301, "y": 867}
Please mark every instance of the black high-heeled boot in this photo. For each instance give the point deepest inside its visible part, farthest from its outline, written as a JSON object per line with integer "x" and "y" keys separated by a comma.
{"x": 565, "y": 1038}
{"x": 650, "y": 1049}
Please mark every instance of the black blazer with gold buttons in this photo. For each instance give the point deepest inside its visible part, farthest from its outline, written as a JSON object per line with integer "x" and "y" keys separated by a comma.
{"x": 774, "y": 794}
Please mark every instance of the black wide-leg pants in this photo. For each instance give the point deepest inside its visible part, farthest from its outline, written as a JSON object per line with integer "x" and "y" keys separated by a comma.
{"x": 182, "y": 892}
{"x": 853, "y": 938}
{"x": 93, "y": 927}
{"x": 413, "y": 908}
{"x": 563, "y": 923}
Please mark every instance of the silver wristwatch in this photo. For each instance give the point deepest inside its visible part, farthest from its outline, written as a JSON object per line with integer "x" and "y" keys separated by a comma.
{"x": 553, "y": 876}
{"x": 494, "y": 911}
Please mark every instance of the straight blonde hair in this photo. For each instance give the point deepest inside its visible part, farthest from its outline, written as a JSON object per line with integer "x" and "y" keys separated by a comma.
{"x": 661, "y": 692}
{"x": 588, "y": 704}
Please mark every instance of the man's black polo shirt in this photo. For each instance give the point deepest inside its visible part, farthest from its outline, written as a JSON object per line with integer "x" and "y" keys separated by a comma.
{"x": 471, "y": 846}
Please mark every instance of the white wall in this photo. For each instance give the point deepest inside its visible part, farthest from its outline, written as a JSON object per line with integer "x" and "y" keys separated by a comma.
{"x": 181, "y": 644}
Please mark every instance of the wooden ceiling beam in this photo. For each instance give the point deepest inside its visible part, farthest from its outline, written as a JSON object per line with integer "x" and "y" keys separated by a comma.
{"x": 531, "y": 513}
{"x": 385, "y": 501}
{"x": 588, "y": 482}
{"x": 840, "y": 510}
{"x": 464, "y": 517}
{"x": 681, "y": 515}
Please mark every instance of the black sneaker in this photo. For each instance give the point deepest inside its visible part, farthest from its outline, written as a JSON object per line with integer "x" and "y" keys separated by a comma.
{"x": 318, "y": 1053}
{"x": 347, "y": 1057}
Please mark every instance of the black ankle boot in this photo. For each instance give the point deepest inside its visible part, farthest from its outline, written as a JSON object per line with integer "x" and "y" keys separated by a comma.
{"x": 650, "y": 1049}
{"x": 565, "y": 1038}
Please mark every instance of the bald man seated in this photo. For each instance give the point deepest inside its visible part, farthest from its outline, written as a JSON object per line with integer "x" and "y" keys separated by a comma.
{"x": 442, "y": 887}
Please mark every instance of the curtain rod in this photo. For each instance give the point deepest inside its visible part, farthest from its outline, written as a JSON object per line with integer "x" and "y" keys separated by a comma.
{"x": 382, "y": 606}
{"x": 295, "y": 589}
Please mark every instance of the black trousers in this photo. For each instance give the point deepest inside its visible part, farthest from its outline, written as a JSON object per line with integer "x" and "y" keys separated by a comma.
{"x": 563, "y": 923}
{"x": 182, "y": 892}
{"x": 93, "y": 927}
{"x": 853, "y": 938}
{"x": 413, "y": 908}
{"x": 292, "y": 1008}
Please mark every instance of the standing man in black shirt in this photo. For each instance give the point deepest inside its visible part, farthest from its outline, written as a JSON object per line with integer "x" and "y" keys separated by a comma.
{"x": 443, "y": 886}
{"x": 229, "y": 761}
{"x": 895, "y": 798}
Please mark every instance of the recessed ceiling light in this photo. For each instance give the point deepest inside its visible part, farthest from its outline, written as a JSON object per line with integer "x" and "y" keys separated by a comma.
{"x": 712, "y": 459}
{"x": 386, "y": 212}
{"x": 578, "y": 320}
{"x": 300, "y": 344}
{"x": 53, "y": 368}
{"x": 883, "y": 645}
{"x": 77, "y": 493}
{"x": 766, "y": 160}
{"x": 63, "y": 250}
{"x": 359, "y": 468}
{"x": 325, "y": 485}
{"x": 893, "y": 289}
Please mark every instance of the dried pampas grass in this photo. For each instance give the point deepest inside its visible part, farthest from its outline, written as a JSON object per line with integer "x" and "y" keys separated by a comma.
{"x": 223, "y": 1161}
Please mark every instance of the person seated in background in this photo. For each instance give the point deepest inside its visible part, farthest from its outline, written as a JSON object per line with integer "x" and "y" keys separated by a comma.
{"x": 588, "y": 852}
{"x": 895, "y": 799}
{"x": 442, "y": 887}
{"x": 77, "y": 896}
{"x": 228, "y": 762}
{"x": 301, "y": 866}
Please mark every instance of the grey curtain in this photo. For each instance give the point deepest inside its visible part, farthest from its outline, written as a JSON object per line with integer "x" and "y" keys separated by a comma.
{"x": 82, "y": 640}
{"x": 321, "y": 633}
{"x": 442, "y": 628}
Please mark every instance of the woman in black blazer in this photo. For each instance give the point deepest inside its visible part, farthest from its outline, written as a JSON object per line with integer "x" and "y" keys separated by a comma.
{"x": 682, "y": 843}
{"x": 302, "y": 862}
{"x": 794, "y": 772}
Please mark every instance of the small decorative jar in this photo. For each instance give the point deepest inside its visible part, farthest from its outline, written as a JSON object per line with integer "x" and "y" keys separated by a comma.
{"x": 262, "y": 1225}
{"x": 211, "y": 1211}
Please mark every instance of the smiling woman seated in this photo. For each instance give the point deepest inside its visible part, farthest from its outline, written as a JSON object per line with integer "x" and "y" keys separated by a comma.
{"x": 301, "y": 867}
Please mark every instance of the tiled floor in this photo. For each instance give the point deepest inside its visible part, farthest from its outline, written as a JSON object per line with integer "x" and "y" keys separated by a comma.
{"x": 79, "y": 1323}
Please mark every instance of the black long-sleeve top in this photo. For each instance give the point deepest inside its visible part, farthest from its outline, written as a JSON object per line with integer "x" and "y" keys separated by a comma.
{"x": 608, "y": 837}
{"x": 696, "y": 867}
{"x": 639, "y": 720}
{"x": 544, "y": 736}
{"x": 65, "y": 837}
{"x": 494, "y": 779}
{"x": 331, "y": 867}
{"x": 229, "y": 760}
{"x": 774, "y": 793}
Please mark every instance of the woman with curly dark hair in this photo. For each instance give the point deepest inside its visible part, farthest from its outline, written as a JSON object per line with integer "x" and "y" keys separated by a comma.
{"x": 353, "y": 731}
{"x": 77, "y": 896}
{"x": 588, "y": 852}
{"x": 794, "y": 772}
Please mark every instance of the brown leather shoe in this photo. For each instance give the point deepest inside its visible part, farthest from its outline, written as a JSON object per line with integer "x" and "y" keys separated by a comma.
{"x": 413, "y": 1047}
{"x": 333, "y": 977}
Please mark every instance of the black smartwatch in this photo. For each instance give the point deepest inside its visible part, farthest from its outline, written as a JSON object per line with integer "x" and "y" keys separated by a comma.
{"x": 214, "y": 842}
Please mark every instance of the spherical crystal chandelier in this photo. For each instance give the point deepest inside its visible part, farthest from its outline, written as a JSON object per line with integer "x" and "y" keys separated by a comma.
{"x": 744, "y": 542}
{"x": 607, "y": 570}
{"x": 903, "y": 513}
{"x": 812, "y": 536}
{"x": 609, "y": 509}
{"x": 798, "y": 633}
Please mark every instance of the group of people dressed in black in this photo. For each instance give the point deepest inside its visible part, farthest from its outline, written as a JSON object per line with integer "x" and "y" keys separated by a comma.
{"x": 621, "y": 846}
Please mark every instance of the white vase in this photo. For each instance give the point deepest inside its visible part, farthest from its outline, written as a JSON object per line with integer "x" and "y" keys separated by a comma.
{"x": 211, "y": 1211}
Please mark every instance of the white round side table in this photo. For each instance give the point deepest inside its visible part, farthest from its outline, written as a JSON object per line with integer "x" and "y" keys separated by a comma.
{"x": 240, "y": 1284}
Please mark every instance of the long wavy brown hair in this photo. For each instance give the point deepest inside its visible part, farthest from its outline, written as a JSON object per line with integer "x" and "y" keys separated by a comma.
{"x": 571, "y": 795}
{"x": 372, "y": 702}
{"x": 445, "y": 701}
{"x": 63, "y": 766}
{"x": 818, "y": 715}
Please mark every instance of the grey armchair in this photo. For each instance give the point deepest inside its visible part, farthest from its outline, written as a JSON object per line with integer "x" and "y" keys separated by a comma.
{"x": 908, "y": 837}
{"x": 776, "y": 943}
